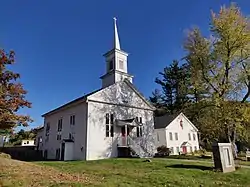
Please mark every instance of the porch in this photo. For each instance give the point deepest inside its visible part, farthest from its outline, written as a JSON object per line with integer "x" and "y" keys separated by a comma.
{"x": 130, "y": 138}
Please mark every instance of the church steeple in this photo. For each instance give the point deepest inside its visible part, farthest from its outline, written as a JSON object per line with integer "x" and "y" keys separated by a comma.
{"x": 116, "y": 36}
{"x": 116, "y": 62}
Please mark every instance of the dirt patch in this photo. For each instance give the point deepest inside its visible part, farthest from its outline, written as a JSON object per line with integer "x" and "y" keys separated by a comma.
{"x": 18, "y": 173}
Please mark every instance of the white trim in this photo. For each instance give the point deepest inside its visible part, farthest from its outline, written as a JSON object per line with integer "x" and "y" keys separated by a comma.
{"x": 124, "y": 105}
{"x": 188, "y": 121}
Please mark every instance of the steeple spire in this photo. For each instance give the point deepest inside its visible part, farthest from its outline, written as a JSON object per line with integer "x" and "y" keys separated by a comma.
{"x": 116, "y": 36}
{"x": 116, "y": 63}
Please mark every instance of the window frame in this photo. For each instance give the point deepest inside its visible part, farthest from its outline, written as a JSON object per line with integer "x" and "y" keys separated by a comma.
{"x": 59, "y": 125}
{"x": 194, "y": 137}
{"x": 72, "y": 119}
{"x": 176, "y": 136}
{"x": 47, "y": 130}
{"x": 170, "y": 136}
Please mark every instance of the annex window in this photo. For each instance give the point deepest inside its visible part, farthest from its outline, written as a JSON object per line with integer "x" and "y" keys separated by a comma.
{"x": 158, "y": 138}
{"x": 171, "y": 150}
{"x": 194, "y": 137}
{"x": 195, "y": 148}
{"x": 176, "y": 136}
{"x": 191, "y": 149}
{"x": 59, "y": 125}
{"x": 189, "y": 136}
{"x": 171, "y": 136}
{"x": 178, "y": 150}
{"x": 72, "y": 120}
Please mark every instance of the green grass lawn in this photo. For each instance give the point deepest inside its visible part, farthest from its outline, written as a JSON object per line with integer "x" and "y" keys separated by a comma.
{"x": 159, "y": 172}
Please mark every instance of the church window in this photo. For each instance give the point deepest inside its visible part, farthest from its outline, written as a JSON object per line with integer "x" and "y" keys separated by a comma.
{"x": 111, "y": 118}
{"x": 121, "y": 64}
{"x": 47, "y": 129}
{"x": 139, "y": 128}
{"x": 72, "y": 120}
{"x": 109, "y": 125}
{"x": 189, "y": 136}
{"x": 59, "y": 125}
{"x": 107, "y": 118}
{"x": 59, "y": 137}
{"x": 107, "y": 130}
{"x": 111, "y": 65}
{"x": 112, "y": 130}
{"x": 140, "y": 131}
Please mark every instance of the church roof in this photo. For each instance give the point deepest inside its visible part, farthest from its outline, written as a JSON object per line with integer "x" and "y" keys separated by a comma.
{"x": 132, "y": 86}
{"x": 83, "y": 98}
{"x": 71, "y": 102}
{"x": 164, "y": 121}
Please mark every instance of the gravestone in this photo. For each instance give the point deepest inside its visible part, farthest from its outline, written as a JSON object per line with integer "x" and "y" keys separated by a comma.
{"x": 223, "y": 157}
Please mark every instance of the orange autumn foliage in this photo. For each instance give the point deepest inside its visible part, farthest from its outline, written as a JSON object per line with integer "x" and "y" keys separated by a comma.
{"x": 12, "y": 94}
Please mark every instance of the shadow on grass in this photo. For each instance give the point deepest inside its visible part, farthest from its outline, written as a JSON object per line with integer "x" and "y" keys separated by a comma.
{"x": 185, "y": 166}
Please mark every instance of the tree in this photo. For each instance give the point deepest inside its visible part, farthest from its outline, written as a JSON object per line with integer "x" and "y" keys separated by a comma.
{"x": 174, "y": 82}
{"x": 17, "y": 138}
{"x": 5, "y": 133}
{"x": 221, "y": 65}
{"x": 12, "y": 94}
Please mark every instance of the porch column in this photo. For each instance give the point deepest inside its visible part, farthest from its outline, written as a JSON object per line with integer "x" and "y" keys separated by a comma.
{"x": 126, "y": 134}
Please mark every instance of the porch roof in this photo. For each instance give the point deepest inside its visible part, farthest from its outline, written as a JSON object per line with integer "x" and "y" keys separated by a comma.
{"x": 130, "y": 122}
{"x": 185, "y": 144}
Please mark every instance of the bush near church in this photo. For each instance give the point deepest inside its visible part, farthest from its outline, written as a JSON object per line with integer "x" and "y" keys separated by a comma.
{"x": 162, "y": 151}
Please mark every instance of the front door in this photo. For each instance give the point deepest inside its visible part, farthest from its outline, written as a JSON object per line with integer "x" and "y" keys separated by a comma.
{"x": 184, "y": 149}
{"x": 63, "y": 151}
{"x": 123, "y": 131}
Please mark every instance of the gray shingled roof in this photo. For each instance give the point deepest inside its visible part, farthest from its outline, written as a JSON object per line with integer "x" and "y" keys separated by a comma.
{"x": 164, "y": 121}
{"x": 71, "y": 102}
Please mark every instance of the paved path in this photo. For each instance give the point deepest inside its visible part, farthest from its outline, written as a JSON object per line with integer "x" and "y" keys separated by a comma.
{"x": 201, "y": 161}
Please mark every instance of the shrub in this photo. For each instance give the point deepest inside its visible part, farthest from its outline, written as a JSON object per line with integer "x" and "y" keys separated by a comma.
{"x": 163, "y": 151}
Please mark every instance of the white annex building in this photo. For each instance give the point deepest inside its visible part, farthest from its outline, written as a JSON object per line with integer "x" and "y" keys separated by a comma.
{"x": 177, "y": 133}
{"x": 113, "y": 121}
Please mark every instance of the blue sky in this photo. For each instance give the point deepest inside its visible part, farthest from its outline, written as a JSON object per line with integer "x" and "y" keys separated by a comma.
{"x": 59, "y": 44}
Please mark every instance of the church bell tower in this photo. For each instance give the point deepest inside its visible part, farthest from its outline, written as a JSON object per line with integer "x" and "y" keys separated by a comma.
{"x": 116, "y": 63}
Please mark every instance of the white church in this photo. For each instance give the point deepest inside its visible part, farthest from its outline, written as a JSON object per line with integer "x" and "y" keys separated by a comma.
{"x": 113, "y": 121}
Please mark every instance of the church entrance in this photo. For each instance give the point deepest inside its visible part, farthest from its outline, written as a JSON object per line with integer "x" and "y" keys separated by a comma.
{"x": 123, "y": 131}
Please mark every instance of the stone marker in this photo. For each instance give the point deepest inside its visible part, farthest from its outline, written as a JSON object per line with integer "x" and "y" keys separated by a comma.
{"x": 223, "y": 157}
